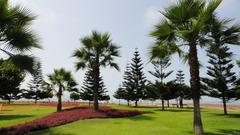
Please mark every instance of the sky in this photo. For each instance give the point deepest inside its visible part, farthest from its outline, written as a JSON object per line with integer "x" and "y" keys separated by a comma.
{"x": 61, "y": 24}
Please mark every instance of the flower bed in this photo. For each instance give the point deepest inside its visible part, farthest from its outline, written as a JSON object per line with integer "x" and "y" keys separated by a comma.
{"x": 67, "y": 116}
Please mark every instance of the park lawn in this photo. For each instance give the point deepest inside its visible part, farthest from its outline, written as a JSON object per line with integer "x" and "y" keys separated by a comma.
{"x": 17, "y": 114}
{"x": 170, "y": 122}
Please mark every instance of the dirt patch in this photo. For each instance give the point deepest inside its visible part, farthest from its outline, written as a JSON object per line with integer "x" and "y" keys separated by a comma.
{"x": 67, "y": 116}
{"x": 219, "y": 106}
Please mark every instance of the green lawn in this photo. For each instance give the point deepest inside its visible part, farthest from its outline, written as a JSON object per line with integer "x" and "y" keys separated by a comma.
{"x": 13, "y": 115}
{"x": 170, "y": 122}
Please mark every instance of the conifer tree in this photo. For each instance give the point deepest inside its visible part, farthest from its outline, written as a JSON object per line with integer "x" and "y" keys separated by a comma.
{"x": 180, "y": 80}
{"x": 160, "y": 67}
{"x": 128, "y": 85}
{"x": 86, "y": 92}
{"x": 119, "y": 94}
{"x": 222, "y": 79}
{"x": 35, "y": 86}
{"x": 138, "y": 78}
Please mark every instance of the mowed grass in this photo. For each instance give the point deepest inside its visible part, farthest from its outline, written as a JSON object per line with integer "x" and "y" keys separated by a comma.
{"x": 16, "y": 114}
{"x": 169, "y": 122}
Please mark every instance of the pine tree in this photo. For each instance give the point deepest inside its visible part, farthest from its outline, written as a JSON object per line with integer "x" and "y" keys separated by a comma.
{"x": 86, "y": 92}
{"x": 180, "y": 77}
{"x": 128, "y": 85}
{"x": 160, "y": 67}
{"x": 35, "y": 86}
{"x": 222, "y": 79}
{"x": 119, "y": 94}
{"x": 180, "y": 80}
{"x": 138, "y": 78}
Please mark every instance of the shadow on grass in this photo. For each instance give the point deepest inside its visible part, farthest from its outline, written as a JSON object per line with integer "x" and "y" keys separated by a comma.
{"x": 12, "y": 117}
{"x": 174, "y": 110}
{"x": 227, "y": 116}
{"x": 49, "y": 132}
{"x": 225, "y": 132}
{"x": 140, "y": 118}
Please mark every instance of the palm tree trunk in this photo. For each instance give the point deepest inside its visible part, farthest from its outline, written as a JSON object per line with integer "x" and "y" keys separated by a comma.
{"x": 195, "y": 87}
{"x": 59, "y": 105}
{"x": 96, "y": 84}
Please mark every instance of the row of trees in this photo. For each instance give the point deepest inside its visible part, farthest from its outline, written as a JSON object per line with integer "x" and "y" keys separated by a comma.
{"x": 135, "y": 85}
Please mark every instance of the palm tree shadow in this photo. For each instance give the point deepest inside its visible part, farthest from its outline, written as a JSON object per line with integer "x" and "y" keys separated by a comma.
{"x": 228, "y": 116}
{"x": 226, "y": 132}
{"x": 12, "y": 117}
{"x": 174, "y": 110}
{"x": 140, "y": 118}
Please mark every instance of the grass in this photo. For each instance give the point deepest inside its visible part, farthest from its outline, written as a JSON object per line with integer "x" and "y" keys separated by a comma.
{"x": 169, "y": 122}
{"x": 12, "y": 115}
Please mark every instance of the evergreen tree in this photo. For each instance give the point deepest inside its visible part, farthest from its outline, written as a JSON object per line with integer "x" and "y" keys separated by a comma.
{"x": 10, "y": 80}
{"x": 160, "y": 67}
{"x": 120, "y": 94}
{"x": 74, "y": 96}
{"x": 180, "y": 77}
{"x": 138, "y": 79}
{"x": 222, "y": 79}
{"x": 35, "y": 86}
{"x": 128, "y": 85}
{"x": 180, "y": 80}
{"x": 86, "y": 92}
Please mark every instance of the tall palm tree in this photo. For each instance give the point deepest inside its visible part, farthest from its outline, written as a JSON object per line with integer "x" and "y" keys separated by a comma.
{"x": 61, "y": 80}
{"x": 182, "y": 25}
{"x": 15, "y": 35}
{"x": 97, "y": 50}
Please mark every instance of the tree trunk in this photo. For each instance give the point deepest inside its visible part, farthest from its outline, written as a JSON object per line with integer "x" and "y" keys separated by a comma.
{"x": 177, "y": 102}
{"x": 35, "y": 101}
{"x": 59, "y": 105}
{"x": 96, "y": 83}
{"x": 195, "y": 87}
{"x": 225, "y": 106}
{"x": 89, "y": 103}
{"x": 119, "y": 102}
{"x": 181, "y": 103}
{"x": 168, "y": 103}
{"x": 136, "y": 103}
{"x": 9, "y": 101}
{"x": 162, "y": 104}
{"x": 128, "y": 103}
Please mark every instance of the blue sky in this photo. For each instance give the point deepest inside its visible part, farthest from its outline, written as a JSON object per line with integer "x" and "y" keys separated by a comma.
{"x": 60, "y": 25}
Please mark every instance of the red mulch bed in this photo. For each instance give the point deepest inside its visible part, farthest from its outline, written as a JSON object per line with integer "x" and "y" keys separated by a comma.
{"x": 54, "y": 104}
{"x": 67, "y": 116}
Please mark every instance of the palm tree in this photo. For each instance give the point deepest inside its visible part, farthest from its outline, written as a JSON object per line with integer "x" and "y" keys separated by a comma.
{"x": 97, "y": 50}
{"x": 63, "y": 81}
{"x": 182, "y": 25}
{"x": 15, "y": 35}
